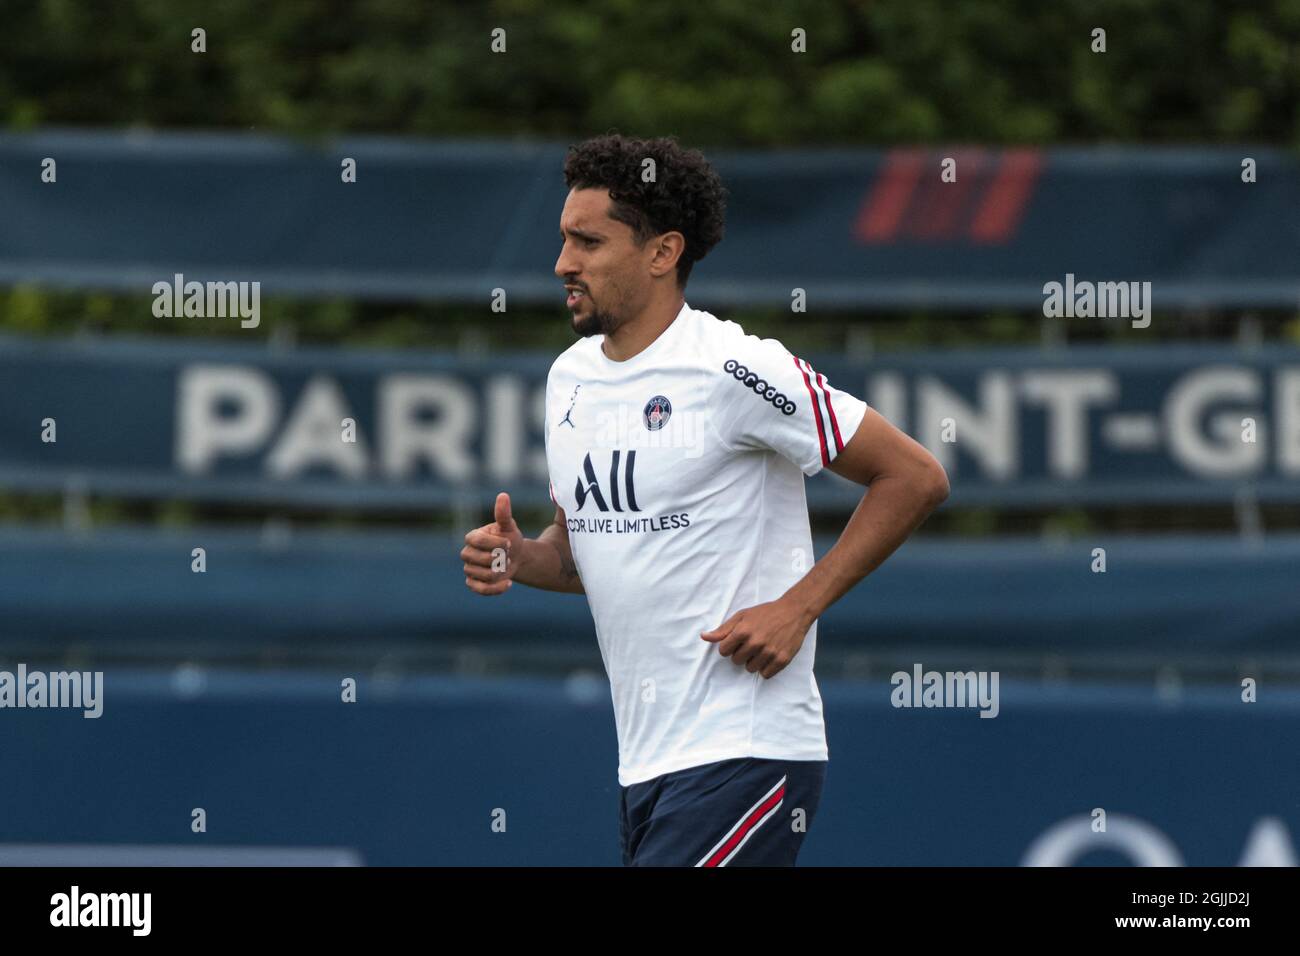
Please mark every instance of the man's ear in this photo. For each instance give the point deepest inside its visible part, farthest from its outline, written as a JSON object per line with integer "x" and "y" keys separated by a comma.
{"x": 668, "y": 249}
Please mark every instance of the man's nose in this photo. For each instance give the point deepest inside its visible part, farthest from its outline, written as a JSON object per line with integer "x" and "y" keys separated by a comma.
{"x": 563, "y": 266}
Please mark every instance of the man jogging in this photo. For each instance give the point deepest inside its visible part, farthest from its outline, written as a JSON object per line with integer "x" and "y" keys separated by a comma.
{"x": 677, "y": 447}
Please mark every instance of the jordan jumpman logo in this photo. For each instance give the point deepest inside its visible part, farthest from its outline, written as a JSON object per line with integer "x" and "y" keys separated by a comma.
{"x": 572, "y": 400}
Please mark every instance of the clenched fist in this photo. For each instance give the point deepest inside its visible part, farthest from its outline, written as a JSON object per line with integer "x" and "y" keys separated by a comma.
{"x": 491, "y": 553}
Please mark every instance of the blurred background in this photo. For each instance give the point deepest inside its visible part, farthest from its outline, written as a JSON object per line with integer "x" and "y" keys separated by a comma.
{"x": 1122, "y": 542}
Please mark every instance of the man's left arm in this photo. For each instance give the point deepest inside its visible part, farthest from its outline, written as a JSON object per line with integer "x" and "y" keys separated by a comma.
{"x": 904, "y": 484}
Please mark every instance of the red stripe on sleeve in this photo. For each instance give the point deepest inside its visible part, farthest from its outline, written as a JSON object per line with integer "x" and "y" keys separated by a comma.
{"x": 835, "y": 426}
{"x": 817, "y": 415}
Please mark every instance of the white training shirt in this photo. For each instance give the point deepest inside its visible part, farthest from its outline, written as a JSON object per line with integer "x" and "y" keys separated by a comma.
{"x": 681, "y": 475}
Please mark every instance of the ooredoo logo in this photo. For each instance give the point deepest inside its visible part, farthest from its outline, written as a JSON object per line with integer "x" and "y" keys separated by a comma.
{"x": 759, "y": 386}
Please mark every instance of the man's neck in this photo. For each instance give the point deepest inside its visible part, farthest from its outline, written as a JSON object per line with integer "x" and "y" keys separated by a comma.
{"x": 634, "y": 336}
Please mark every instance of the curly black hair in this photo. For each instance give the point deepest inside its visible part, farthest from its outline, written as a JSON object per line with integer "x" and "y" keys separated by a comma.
{"x": 686, "y": 195}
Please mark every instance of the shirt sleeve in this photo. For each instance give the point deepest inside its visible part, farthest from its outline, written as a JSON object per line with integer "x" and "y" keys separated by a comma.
{"x": 773, "y": 399}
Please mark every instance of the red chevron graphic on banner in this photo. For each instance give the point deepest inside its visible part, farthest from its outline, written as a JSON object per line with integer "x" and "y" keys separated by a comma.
{"x": 883, "y": 210}
{"x": 908, "y": 200}
{"x": 1007, "y": 196}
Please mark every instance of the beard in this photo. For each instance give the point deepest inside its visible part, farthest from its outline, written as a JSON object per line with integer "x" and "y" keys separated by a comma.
{"x": 596, "y": 321}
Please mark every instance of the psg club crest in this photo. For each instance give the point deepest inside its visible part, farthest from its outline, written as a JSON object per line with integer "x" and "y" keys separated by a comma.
{"x": 656, "y": 412}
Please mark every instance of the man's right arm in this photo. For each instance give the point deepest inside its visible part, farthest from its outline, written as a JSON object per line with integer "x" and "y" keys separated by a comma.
{"x": 547, "y": 561}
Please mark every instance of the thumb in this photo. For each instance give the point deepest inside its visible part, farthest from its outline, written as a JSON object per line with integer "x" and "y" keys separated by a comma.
{"x": 503, "y": 516}
{"x": 722, "y": 630}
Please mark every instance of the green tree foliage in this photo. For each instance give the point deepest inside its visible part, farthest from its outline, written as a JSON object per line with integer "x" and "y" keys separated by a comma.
{"x": 717, "y": 73}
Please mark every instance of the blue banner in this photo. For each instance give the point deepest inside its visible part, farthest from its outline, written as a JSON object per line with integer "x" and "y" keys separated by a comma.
{"x": 413, "y": 772}
{"x": 364, "y": 429}
{"x": 944, "y": 227}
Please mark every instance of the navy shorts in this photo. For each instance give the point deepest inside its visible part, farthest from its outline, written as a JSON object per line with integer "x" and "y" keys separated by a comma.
{"x": 740, "y": 812}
